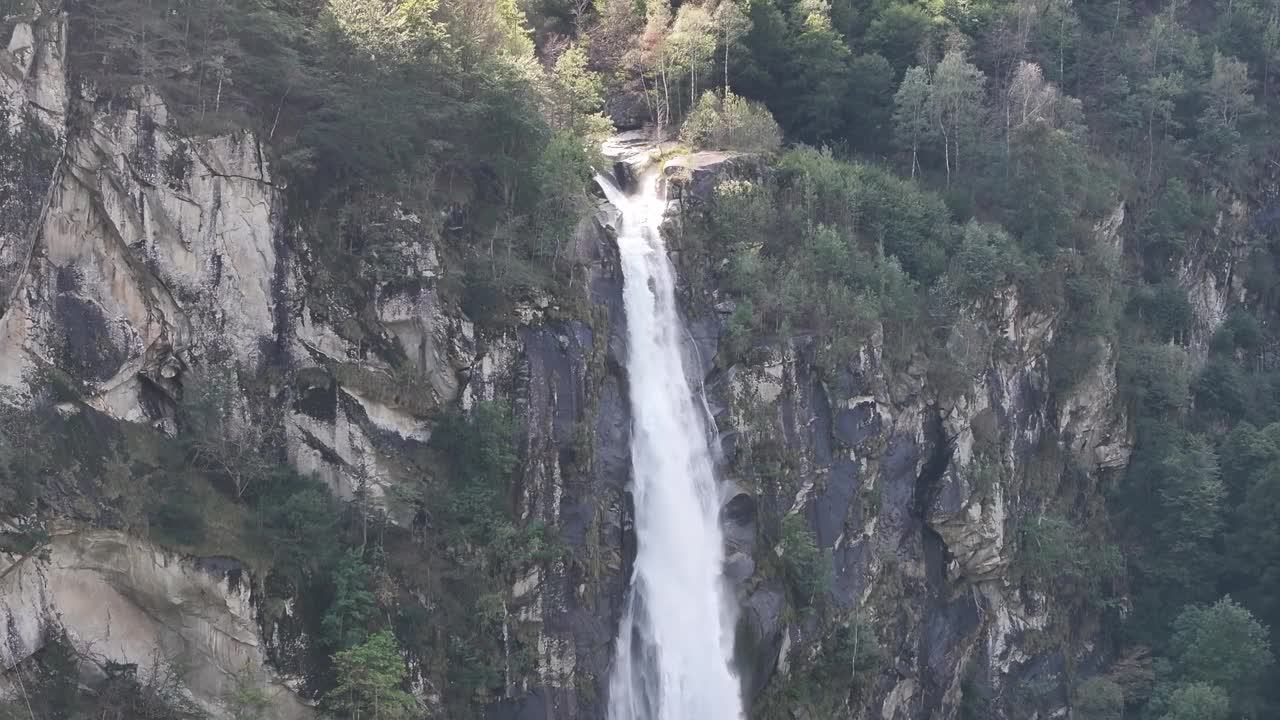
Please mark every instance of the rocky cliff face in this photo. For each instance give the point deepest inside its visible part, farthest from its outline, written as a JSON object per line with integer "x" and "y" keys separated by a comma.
{"x": 124, "y": 600}
{"x": 916, "y": 485}
{"x": 132, "y": 256}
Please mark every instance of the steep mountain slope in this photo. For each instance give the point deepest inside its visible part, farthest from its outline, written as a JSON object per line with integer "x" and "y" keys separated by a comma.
{"x": 225, "y": 457}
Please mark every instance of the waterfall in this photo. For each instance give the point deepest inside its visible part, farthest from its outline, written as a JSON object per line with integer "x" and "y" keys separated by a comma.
{"x": 675, "y": 642}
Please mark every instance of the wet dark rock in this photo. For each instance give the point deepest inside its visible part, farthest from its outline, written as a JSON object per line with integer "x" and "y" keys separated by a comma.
{"x": 92, "y": 349}
{"x": 628, "y": 111}
{"x": 739, "y": 567}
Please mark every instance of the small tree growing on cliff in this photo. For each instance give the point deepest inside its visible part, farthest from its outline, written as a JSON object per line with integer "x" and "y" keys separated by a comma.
{"x": 370, "y": 676}
{"x": 247, "y": 701}
{"x": 806, "y": 565}
{"x": 219, "y": 437}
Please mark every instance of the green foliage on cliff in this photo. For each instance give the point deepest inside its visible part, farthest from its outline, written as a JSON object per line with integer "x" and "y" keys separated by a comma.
{"x": 993, "y": 148}
{"x": 968, "y": 149}
{"x": 1066, "y": 559}
{"x": 1098, "y": 699}
{"x": 731, "y": 123}
{"x": 371, "y": 676}
{"x": 437, "y": 108}
{"x": 808, "y": 568}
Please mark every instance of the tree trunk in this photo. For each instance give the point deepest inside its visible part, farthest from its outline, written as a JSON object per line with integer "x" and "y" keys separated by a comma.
{"x": 1008, "y": 150}
{"x": 693, "y": 84}
{"x": 1062, "y": 52}
{"x": 1151, "y": 144}
{"x": 666, "y": 93}
{"x": 279, "y": 108}
{"x": 726, "y": 58}
{"x": 946, "y": 155}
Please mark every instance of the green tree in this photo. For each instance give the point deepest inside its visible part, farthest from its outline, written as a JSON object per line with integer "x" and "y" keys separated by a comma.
{"x": 898, "y": 33}
{"x": 1271, "y": 51}
{"x": 733, "y": 24}
{"x": 369, "y": 680}
{"x": 247, "y": 700}
{"x": 986, "y": 258}
{"x": 1222, "y": 645}
{"x": 296, "y": 519}
{"x": 693, "y": 43}
{"x": 344, "y": 624}
{"x": 1190, "y": 518}
{"x": 1156, "y": 378}
{"x": 807, "y": 566}
{"x": 1229, "y": 91}
{"x": 1097, "y": 698}
{"x": 818, "y": 81}
{"x": 1197, "y": 701}
{"x": 870, "y": 102}
{"x": 481, "y": 449}
{"x": 576, "y": 97}
{"x": 1159, "y": 97}
{"x": 957, "y": 105}
{"x": 913, "y": 113}
{"x": 1255, "y": 543}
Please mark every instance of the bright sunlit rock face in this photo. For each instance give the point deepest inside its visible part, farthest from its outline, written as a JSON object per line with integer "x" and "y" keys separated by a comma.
{"x": 675, "y": 642}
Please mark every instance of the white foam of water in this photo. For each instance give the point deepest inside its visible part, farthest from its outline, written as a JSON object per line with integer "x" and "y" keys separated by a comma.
{"x": 675, "y": 643}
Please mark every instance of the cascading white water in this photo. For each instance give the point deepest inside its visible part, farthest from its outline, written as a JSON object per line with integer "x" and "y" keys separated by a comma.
{"x": 675, "y": 643}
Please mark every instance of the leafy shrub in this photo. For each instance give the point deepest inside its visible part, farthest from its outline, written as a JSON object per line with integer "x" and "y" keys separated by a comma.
{"x": 481, "y": 449}
{"x": 370, "y": 681}
{"x": 1163, "y": 310}
{"x": 1220, "y": 389}
{"x": 986, "y": 259}
{"x": 883, "y": 210}
{"x": 1053, "y": 550}
{"x": 1156, "y": 378}
{"x": 176, "y": 517}
{"x": 1197, "y": 701}
{"x": 1223, "y": 645}
{"x": 1240, "y": 331}
{"x": 731, "y": 123}
{"x": 807, "y": 567}
{"x": 743, "y": 212}
{"x": 296, "y": 517}
{"x": 1097, "y": 698}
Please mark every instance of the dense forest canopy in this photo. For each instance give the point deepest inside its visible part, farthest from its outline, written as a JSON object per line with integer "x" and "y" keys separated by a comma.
{"x": 923, "y": 155}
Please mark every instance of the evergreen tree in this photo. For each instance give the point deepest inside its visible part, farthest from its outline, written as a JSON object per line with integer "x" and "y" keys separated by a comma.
{"x": 818, "y": 82}
{"x": 1197, "y": 701}
{"x": 370, "y": 676}
{"x": 1223, "y": 646}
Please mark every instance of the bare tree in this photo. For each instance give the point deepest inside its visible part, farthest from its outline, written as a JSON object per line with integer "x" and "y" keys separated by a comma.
{"x": 221, "y": 434}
